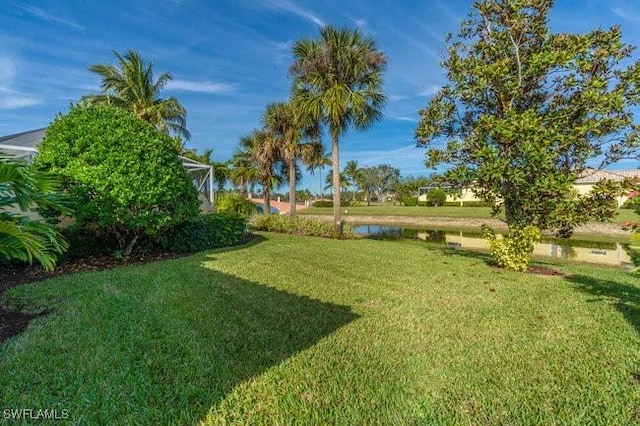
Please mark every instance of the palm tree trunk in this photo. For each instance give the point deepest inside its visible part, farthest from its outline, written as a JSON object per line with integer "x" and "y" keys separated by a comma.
{"x": 335, "y": 159}
{"x": 292, "y": 187}
{"x": 267, "y": 200}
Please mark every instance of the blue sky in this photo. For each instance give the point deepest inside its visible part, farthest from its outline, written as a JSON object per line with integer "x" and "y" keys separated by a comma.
{"x": 230, "y": 58}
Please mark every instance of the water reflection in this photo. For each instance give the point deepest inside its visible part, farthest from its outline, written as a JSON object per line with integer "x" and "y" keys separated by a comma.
{"x": 604, "y": 253}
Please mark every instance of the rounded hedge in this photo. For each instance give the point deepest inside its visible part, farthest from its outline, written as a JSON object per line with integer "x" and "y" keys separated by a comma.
{"x": 123, "y": 174}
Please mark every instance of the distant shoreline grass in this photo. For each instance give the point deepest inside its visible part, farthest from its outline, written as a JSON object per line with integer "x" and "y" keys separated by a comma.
{"x": 318, "y": 331}
{"x": 623, "y": 215}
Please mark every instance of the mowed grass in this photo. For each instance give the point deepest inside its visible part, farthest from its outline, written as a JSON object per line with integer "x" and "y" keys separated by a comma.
{"x": 622, "y": 215}
{"x": 293, "y": 330}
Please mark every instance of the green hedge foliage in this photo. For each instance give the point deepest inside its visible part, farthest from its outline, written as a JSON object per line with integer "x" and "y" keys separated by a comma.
{"x": 298, "y": 225}
{"x": 206, "y": 232}
{"x": 328, "y": 203}
{"x": 410, "y": 201}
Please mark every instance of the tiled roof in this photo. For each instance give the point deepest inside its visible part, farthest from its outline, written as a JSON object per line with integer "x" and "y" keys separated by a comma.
{"x": 593, "y": 175}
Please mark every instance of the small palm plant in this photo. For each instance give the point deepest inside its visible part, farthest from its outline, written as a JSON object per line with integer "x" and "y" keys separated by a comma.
{"x": 23, "y": 237}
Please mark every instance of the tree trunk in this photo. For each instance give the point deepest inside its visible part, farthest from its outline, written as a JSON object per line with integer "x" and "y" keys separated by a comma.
{"x": 292, "y": 188}
{"x": 129, "y": 247}
{"x": 245, "y": 189}
{"x": 267, "y": 201}
{"x": 335, "y": 159}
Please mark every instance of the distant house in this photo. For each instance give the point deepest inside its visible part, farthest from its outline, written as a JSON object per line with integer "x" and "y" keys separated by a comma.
{"x": 590, "y": 177}
{"x": 584, "y": 184}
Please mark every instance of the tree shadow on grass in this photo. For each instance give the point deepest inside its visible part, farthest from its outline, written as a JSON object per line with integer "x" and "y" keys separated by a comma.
{"x": 152, "y": 347}
{"x": 625, "y": 297}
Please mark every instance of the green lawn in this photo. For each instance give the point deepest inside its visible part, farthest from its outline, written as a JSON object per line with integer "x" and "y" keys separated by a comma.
{"x": 444, "y": 211}
{"x": 293, "y": 330}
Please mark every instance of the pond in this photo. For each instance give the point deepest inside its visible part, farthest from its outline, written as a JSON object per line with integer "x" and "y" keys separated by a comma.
{"x": 604, "y": 253}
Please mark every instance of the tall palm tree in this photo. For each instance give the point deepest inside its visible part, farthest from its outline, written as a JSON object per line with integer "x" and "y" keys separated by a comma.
{"x": 130, "y": 85}
{"x": 337, "y": 80}
{"x": 297, "y": 140}
{"x": 21, "y": 236}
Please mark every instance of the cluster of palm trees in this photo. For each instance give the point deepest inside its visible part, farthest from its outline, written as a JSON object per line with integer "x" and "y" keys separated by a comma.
{"x": 337, "y": 85}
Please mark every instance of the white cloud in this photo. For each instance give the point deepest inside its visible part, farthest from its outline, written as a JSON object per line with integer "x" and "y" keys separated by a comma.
{"x": 18, "y": 101}
{"x": 46, "y": 16}
{"x": 201, "y": 86}
{"x": 430, "y": 90}
{"x": 290, "y": 7}
{"x": 625, "y": 14}
{"x": 403, "y": 118}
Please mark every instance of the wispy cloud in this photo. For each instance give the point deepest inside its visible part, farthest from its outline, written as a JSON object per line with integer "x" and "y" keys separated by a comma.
{"x": 18, "y": 101}
{"x": 10, "y": 97}
{"x": 626, "y": 14}
{"x": 46, "y": 16}
{"x": 430, "y": 90}
{"x": 201, "y": 86}
{"x": 403, "y": 118}
{"x": 288, "y": 6}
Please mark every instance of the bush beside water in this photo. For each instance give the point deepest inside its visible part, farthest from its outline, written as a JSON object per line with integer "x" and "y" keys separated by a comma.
{"x": 298, "y": 225}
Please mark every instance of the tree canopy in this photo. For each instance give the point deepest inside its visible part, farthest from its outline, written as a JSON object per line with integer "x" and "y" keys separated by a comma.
{"x": 525, "y": 111}
{"x": 130, "y": 85}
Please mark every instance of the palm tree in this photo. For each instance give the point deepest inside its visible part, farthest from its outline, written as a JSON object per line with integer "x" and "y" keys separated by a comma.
{"x": 130, "y": 86}
{"x": 296, "y": 140}
{"x": 318, "y": 159}
{"x": 338, "y": 81}
{"x": 242, "y": 170}
{"x": 22, "y": 237}
{"x": 262, "y": 153}
{"x": 353, "y": 173}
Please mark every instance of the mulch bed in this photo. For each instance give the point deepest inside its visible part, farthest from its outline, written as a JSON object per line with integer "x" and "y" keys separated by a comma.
{"x": 13, "y": 322}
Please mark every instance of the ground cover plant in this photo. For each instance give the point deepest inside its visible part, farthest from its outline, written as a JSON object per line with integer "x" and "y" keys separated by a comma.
{"x": 320, "y": 331}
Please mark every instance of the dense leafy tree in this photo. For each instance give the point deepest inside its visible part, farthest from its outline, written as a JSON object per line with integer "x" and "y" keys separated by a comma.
{"x": 23, "y": 236}
{"x": 525, "y": 110}
{"x": 380, "y": 180}
{"x": 337, "y": 81}
{"x": 297, "y": 140}
{"x": 130, "y": 85}
{"x": 409, "y": 186}
{"x": 123, "y": 175}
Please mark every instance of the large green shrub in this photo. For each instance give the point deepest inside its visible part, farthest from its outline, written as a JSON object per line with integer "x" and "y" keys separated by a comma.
{"x": 513, "y": 252}
{"x": 205, "y": 232}
{"x": 235, "y": 202}
{"x": 298, "y": 225}
{"x": 436, "y": 197}
{"x": 124, "y": 176}
{"x": 410, "y": 201}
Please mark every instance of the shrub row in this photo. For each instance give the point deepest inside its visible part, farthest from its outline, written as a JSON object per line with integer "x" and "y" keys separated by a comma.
{"x": 205, "y": 232}
{"x": 329, "y": 203}
{"x": 298, "y": 225}
{"x": 469, "y": 204}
